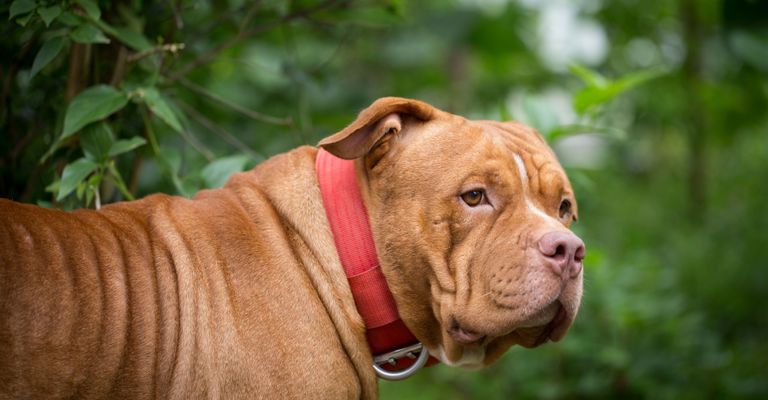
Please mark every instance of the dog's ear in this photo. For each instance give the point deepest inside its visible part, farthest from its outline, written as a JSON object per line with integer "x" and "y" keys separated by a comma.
{"x": 385, "y": 116}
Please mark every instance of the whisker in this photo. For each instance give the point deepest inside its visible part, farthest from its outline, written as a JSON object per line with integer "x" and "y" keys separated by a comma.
{"x": 488, "y": 293}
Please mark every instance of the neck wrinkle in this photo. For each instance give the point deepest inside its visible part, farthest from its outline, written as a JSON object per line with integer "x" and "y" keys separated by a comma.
{"x": 295, "y": 195}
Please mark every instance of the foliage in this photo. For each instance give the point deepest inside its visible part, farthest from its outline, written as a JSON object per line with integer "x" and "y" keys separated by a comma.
{"x": 663, "y": 131}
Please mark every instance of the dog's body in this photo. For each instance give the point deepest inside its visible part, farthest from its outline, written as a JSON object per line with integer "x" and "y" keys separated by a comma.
{"x": 238, "y": 293}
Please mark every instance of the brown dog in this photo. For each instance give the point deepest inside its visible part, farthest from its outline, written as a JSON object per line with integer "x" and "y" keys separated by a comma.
{"x": 239, "y": 292}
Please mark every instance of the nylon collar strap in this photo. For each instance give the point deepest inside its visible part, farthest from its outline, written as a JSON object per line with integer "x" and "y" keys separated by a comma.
{"x": 348, "y": 219}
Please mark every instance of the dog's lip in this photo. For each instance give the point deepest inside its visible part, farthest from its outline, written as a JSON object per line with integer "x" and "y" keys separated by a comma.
{"x": 464, "y": 336}
{"x": 555, "y": 329}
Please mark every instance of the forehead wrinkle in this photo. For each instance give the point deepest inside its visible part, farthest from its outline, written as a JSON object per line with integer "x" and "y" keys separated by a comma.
{"x": 536, "y": 167}
{"x": 519, "y": 142}
{"x": 514, "y": 128}
{"x": 528, "y": 147}
{"x": 521, "y": 134}
{"x": 500, "y": 149}
{"x": 534, "y": 161}
{"x": 533, "y": 168}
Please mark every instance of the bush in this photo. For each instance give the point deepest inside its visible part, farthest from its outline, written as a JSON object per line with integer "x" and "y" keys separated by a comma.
{"x": 663, "y": 133}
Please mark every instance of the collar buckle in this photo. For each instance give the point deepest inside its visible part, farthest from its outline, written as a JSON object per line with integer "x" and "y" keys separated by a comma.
{"x": 392, "y": 357}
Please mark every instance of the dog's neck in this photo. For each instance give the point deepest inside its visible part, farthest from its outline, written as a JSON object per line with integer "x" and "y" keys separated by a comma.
{"x": 348, "y": 219}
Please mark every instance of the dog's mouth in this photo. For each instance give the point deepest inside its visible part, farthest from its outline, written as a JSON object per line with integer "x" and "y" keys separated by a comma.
{"x": 555, "y": 329}
{"x": 532, "y": 334}
{"x": 465, "y": 336}
{"x": 474, "y": 339}
{"x": 478, "y": 330}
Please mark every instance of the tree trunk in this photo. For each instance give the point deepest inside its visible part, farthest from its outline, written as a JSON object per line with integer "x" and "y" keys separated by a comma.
{"x": 695, "y": 113}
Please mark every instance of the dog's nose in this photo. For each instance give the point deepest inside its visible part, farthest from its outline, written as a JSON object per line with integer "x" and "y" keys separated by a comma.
{"x": 564, "y": 252}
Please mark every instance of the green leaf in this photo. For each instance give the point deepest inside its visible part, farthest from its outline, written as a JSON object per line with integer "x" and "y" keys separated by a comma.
{"x": 48, "y": 14}
{"x": 24, "y": 20}
{"x": 20, "y": 7}
{"x": 51, "y": 48}
{"x": 93, "y": 104}
{"x": 96, "y": 141}
{"x": 80, "y": 190}
{"x": 217, "y": 172}
{"x": 130, "y": 38}
{"x": 88, "y": 33}
{"x": 126, "y": 145}
{"x": 89, "y": 196}
{"x": 160, "y": 107}
{"x": 95, "y": 179}
{"x": 591, "y": 78}
{"x": 592, "y": 96}
{"x": 73, "y": 174}
{"x": 575, "y": 129}
{"x": 91, "y": 8}
{"x": 637, "y": 78}
{"x": 53, "y": 187}
{"x": 69, "y": 19}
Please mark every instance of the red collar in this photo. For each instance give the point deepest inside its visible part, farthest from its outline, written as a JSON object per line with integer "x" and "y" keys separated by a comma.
{"x": 351, "y": 230}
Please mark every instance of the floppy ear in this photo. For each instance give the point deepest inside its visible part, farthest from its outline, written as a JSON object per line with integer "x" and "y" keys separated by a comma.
{"x": 385, "y": 116}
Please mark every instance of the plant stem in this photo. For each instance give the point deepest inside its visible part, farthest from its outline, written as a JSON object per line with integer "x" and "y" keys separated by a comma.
{"x": 248, "y": 113}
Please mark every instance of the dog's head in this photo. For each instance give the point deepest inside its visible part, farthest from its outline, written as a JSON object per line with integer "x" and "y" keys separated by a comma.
{"x": 471, "y": 222}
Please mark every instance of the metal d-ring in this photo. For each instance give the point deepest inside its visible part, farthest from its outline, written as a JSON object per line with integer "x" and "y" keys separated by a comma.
{"x": 392, "y": 357}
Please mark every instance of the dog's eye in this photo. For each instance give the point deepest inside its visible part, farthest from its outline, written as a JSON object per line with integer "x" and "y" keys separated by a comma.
{"x": 565, "y": 208}
{"x": 473, "y": 198}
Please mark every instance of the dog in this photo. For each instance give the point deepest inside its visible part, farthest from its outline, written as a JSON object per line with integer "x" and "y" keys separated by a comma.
{"x": 248, "y": 290}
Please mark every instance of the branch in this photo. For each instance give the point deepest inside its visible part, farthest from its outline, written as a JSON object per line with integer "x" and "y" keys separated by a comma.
{"x": 221, "y": 132}
{"x": 170, "y": 47}
{"x": 287, "y": 121}
{"x": 120, "y": 64}
{"x": 75, "y": 74}
{"x": 187, "y": 135}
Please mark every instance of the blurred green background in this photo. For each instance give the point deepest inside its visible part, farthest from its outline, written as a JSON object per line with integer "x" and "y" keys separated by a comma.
{"x": 658, "y": 109}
